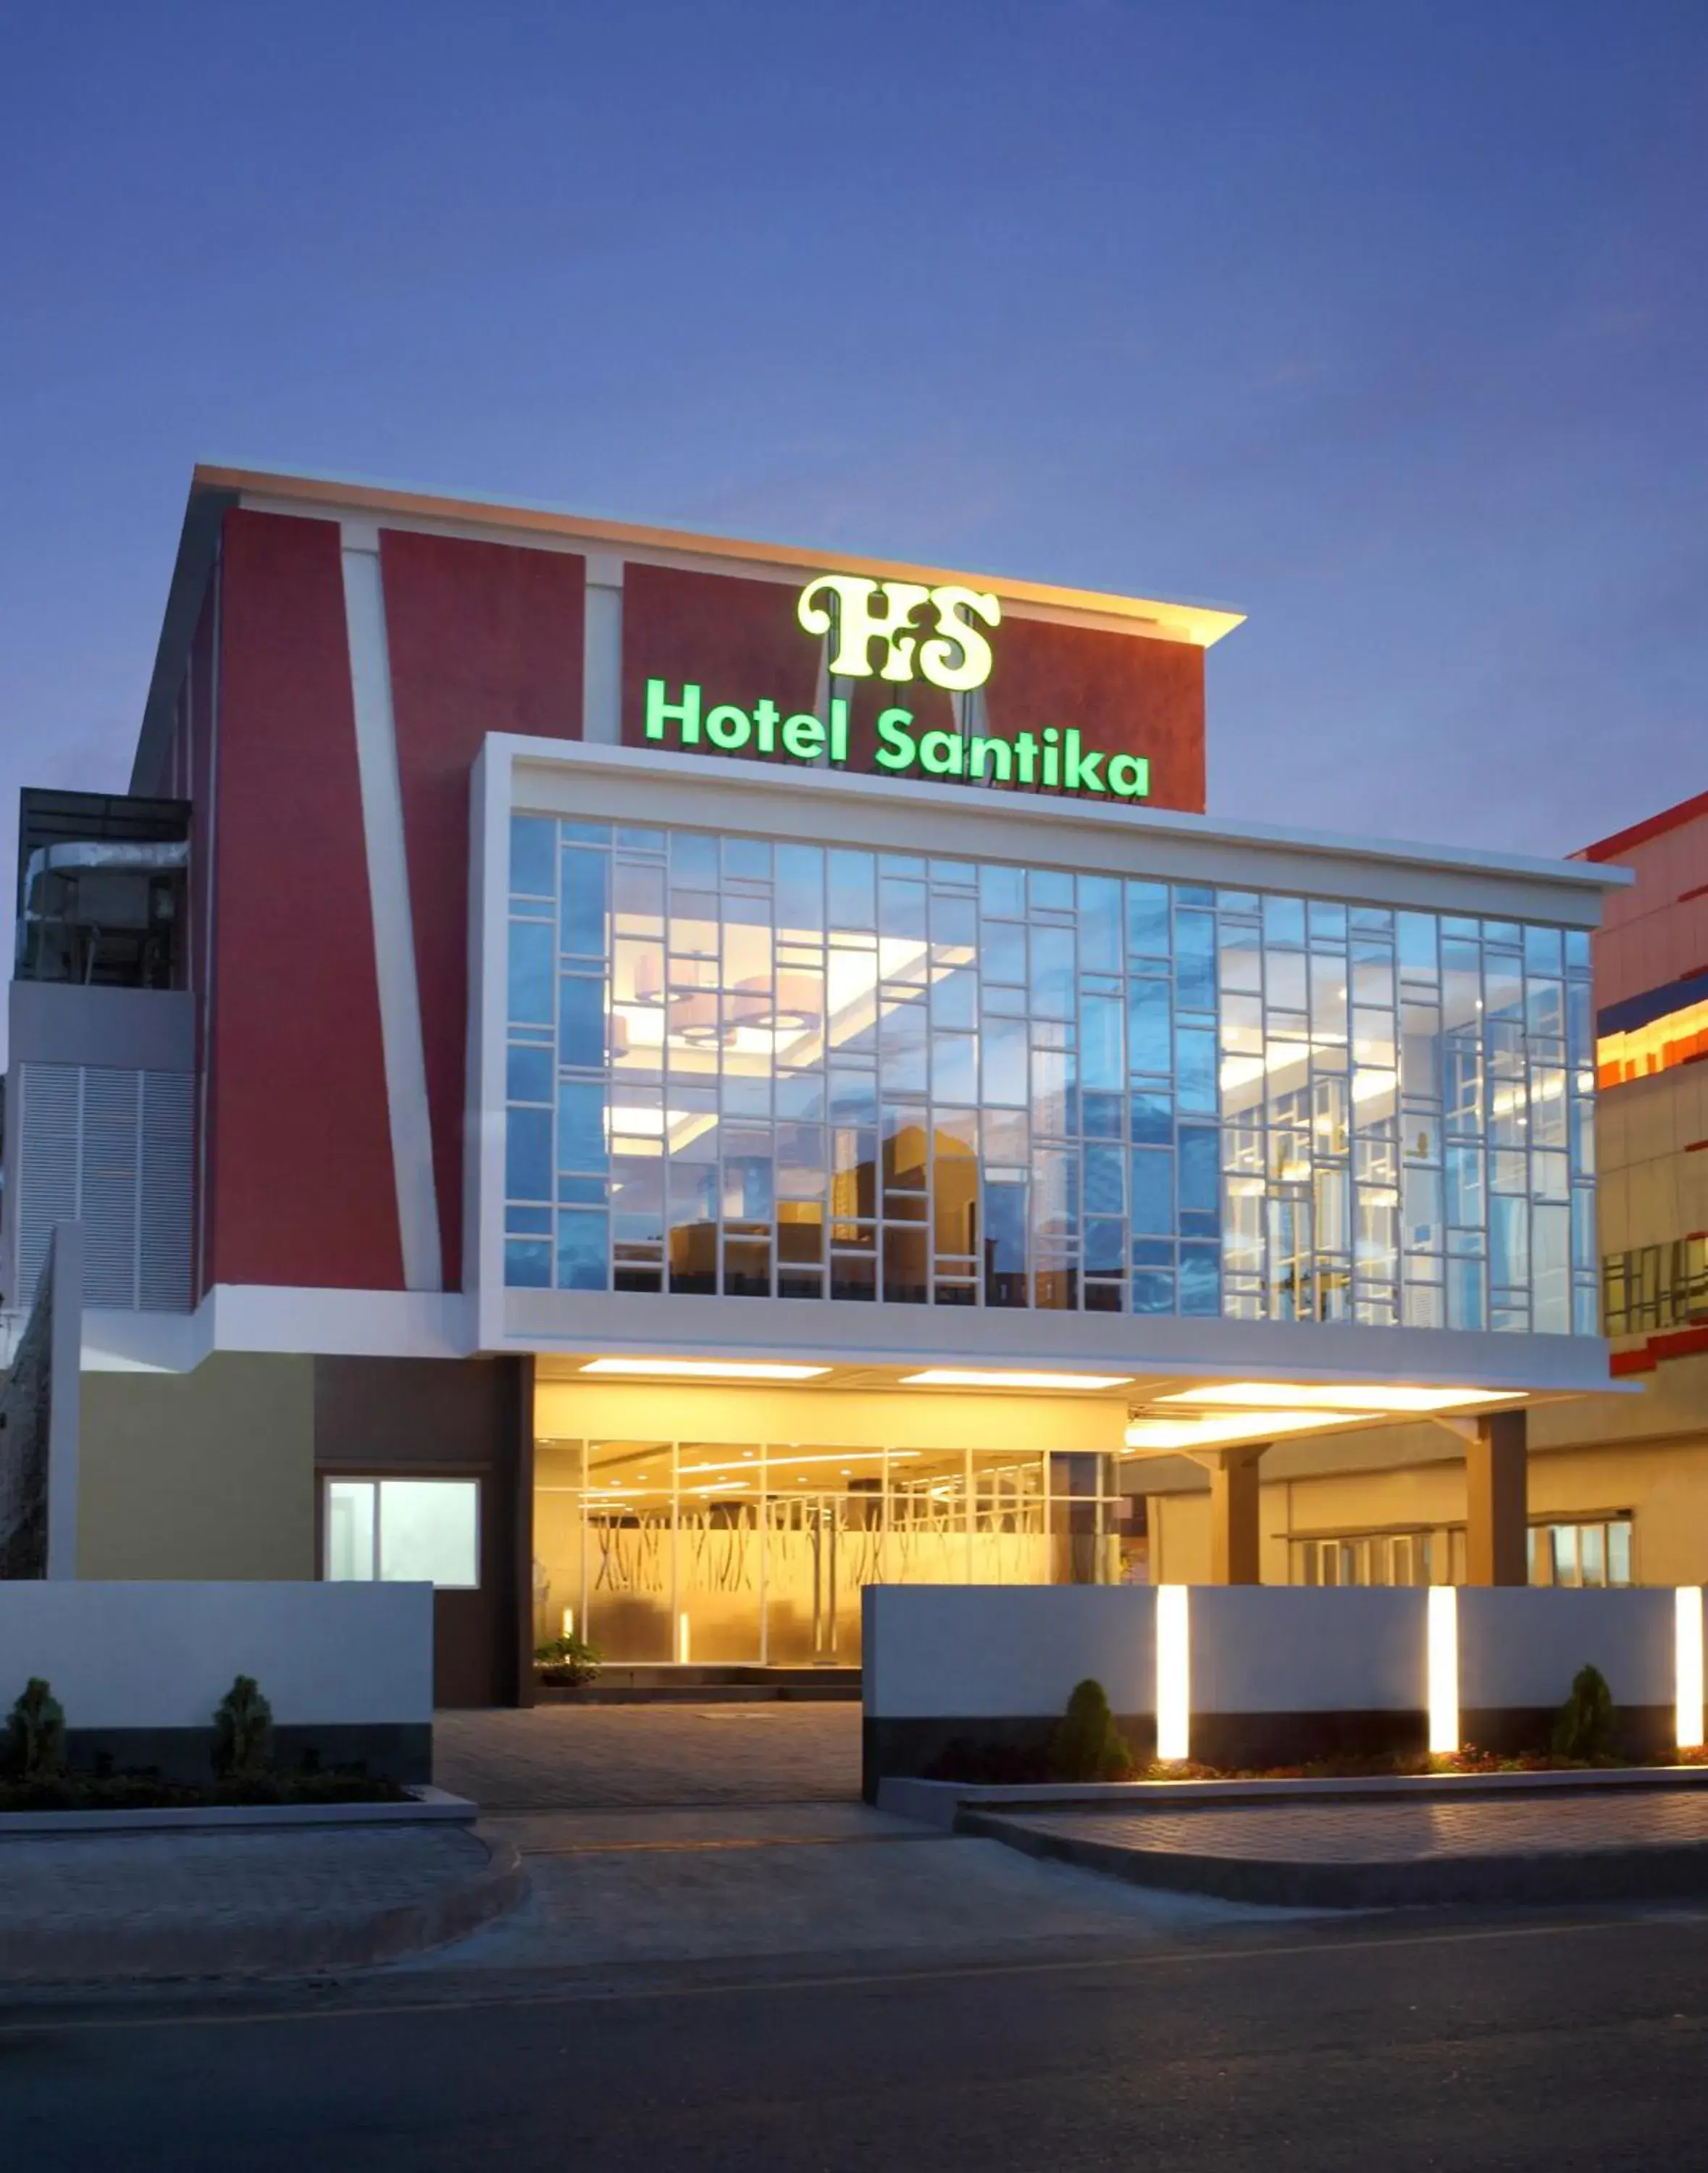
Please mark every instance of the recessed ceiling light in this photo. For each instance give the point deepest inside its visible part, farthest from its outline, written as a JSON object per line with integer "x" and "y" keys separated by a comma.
{"x": 1314, "y": 1396}
{"x": 705, "y": 1369}
{"x": 1164, "y": 1437}
{"x": 953, "y": 1377}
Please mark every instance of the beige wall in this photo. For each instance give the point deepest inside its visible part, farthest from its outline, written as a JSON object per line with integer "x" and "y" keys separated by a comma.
{"x": 1664, "y": 1486}
{"x": 206, "y": 1475}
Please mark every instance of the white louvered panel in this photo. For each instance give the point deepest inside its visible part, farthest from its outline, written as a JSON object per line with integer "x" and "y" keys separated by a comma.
{"x": 163, "y": 1227}
{"x": 111, "y": 1140}
{"x": 47, "y": 1176}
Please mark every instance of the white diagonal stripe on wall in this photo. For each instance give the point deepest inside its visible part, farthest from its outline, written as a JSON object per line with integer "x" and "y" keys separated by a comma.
{"x": 394, "y": 930}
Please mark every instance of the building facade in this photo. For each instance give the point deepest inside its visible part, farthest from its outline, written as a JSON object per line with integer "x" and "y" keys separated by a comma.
{"x": 657, "y": 1081}
{"x": 1618, "y": 1483}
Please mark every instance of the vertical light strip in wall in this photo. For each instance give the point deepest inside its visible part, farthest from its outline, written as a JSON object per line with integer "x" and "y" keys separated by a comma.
{"x": 394, "y": 927}
{"x": 1173, "y": 1672}
{"x": 1688, "y": 1665}
{"x": 1442, "y": 1664}
{"x": 601, "y": 663}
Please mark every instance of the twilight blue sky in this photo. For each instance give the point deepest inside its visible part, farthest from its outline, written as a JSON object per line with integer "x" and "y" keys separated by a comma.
{"x": 1386, "y": 324}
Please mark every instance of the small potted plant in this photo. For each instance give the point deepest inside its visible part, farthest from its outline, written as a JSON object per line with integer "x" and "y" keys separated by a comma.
{"x": 566, "y": 1661}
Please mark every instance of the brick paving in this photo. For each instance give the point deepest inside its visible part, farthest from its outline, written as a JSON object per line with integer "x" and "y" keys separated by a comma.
{"x": 1556, "y": 1847}
{"x": 1399, "y": 1833}
{"x": 614, "y": 1757}
{"x": 154, "y": 1878}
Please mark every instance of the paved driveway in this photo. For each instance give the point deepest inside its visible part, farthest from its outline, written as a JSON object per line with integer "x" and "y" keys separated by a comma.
{"x": 615, "y": 1757}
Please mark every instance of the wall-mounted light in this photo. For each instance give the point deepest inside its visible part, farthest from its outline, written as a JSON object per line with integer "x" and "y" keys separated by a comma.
{"x": 1443, "y": 1633}
{"x": 1688, "y": 1667}
{"x": 1173, "y": 1672}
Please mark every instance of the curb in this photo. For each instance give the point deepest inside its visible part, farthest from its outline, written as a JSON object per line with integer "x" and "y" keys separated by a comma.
{"x": 284, "y": 1946}
{"x": 938, "y": 1803}
{"x": 1614, "y": 1875}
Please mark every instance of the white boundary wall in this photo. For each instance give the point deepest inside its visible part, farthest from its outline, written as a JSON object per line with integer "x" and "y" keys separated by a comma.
{"x": 1293, "y": 1648}
{"x": 162, "y": 1656}
{"x": 993, "y": 1651}
{"x": 1522, "y": 1649}
{"x": 954, "y": 1653}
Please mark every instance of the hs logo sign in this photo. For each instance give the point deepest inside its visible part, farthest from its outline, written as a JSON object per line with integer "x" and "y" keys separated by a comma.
{"x": 858, "y": 612}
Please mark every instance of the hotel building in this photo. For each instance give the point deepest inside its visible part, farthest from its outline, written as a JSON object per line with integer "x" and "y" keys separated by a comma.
{"x": 656, "y": 1080}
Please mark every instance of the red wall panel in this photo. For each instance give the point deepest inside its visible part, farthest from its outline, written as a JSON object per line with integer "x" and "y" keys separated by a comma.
{"x": 301, "y": 1180}
{"x": 740, "y": 640}
{"x": 483, "y": 638}
{"x": 1126, "y": 694}
{"x": 737, "y": 640}
{"x": 193, "y": 760}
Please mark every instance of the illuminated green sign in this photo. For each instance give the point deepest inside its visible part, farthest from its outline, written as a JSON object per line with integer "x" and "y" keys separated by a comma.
{"x": 954, "y": 656}
{"x": 1054, "y": 759}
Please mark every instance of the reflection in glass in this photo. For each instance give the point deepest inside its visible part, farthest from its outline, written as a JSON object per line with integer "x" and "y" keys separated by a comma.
{"x": 1095, "y": 1093}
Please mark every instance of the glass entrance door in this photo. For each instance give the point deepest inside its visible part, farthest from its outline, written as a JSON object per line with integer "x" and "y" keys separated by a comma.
{"x": 757, "y": 1553}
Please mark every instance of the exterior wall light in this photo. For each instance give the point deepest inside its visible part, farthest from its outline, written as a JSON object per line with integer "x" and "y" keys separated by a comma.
{"x": 1443, "y": 1669}
{"x": 1173, "y": 1672}
{"x": 1688, "y": 1665}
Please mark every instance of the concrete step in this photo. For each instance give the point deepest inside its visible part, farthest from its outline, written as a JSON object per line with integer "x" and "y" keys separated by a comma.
{"x": 642, "y": 1685}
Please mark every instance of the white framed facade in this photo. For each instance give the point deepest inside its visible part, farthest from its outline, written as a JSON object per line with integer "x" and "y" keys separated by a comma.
{"x": 786, "y": 807}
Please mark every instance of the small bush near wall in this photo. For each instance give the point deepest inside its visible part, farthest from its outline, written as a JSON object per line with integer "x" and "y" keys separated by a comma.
{"x": 1587, "y": 1731}
{"x": 36, "y": 1735}
{"x": 35, "y": 1775}
{"x": 1087, "y": 1746}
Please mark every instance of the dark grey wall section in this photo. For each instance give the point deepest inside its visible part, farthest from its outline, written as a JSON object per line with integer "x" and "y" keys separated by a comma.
{"x": 385, "y": 1750}
{"x": 129, "y": 1029}
{"x": 977, "y": 1749}
{"x": 424, "y": 1418}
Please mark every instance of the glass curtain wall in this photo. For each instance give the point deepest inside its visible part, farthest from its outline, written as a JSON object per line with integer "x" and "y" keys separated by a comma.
{"x": 744, "y": 1069}
{"x": 706, "y": 1552}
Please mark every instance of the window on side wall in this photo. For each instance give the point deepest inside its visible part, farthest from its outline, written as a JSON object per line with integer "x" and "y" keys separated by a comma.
{"x": 416, "y": 1531}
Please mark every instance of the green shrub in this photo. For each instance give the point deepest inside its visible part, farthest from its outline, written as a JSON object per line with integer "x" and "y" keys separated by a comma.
{"x": 242, "y": 1732}
{"x": 1585, "y": 1729}
{"x": 566, "y": 1660}
{"x": 1086, "y": 1745}
{"x": 35, "y": 1734}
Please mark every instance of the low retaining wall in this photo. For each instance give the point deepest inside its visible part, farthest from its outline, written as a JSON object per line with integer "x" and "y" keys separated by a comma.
{"x": 968, "y": 1682}
{"x": 977, "y": 1676}
{"x": 139, "y": 1669}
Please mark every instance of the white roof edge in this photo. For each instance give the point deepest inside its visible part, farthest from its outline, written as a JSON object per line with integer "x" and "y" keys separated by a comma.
{"x": 733, "y": 771}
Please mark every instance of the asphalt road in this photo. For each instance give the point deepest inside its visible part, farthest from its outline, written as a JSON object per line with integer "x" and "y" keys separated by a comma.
{"x": 1398, "y": 2042}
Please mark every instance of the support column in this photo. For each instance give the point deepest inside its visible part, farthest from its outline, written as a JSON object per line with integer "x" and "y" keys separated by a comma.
{"x": 1234, "y": 1537}
{"x": 1497, "y": 1500}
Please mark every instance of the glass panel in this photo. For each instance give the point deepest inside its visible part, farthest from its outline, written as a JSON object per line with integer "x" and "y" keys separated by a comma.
{"x": 1372, "y": 1087}
{"x": 429, "y": 1531}
{"x": 350, "y": 1530}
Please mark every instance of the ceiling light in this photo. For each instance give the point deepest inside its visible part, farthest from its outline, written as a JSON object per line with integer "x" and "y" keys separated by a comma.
{"x": 1356, "y": 1396}
{"x": 951, "y": 1377}
{"x": 705, "y": 1369}
{"x": 1165, "y": 1436}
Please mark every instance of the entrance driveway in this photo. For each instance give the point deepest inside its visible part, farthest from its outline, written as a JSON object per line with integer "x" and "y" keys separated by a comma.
{"x": 616, "y": 1757}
